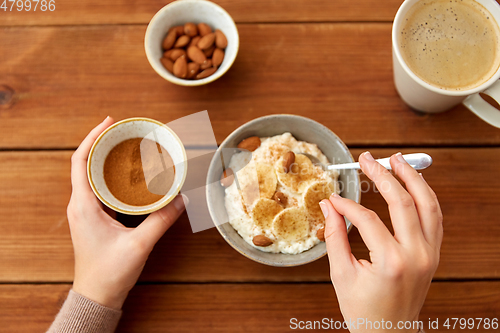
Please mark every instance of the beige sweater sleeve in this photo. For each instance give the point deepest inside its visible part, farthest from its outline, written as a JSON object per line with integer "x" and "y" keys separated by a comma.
{"x": 80, "y": 314}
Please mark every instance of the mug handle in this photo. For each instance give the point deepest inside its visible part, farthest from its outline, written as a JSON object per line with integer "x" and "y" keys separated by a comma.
{"x": 483, "y": 109}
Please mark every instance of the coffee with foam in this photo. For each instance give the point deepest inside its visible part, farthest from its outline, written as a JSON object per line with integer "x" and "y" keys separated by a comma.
{"x": 452, "y": 45}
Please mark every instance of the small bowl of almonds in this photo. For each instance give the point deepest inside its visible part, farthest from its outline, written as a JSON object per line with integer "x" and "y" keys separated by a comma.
{"x": 191, "y": 42}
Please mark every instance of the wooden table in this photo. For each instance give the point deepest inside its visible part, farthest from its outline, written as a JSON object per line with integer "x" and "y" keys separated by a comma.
{"x": 63, "y": 72}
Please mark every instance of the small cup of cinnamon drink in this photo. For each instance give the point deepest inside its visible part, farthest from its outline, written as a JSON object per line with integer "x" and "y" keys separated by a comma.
{"x": 137, "y": 166}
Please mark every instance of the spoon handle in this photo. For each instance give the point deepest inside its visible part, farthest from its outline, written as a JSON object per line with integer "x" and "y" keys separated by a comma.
{"x": 418, "y": 161}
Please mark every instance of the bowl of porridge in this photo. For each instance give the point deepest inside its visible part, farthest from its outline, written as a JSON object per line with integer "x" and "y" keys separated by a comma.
{"x": 264, "y": 189}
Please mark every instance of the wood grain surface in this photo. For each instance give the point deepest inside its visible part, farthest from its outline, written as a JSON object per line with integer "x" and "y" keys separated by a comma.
{"x": 65, "y": 80}
{"x": 35, "y": 244}
{"x": 63, "y": 72}
{"x": 235, "y": 307}
{"x": 136, "y": 11}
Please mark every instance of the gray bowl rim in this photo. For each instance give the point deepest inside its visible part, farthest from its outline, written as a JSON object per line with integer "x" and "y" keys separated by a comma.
{"x": 214, "y": 159}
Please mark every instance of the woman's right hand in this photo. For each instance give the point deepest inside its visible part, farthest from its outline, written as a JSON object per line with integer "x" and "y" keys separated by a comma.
{"x": 392, "y": 286}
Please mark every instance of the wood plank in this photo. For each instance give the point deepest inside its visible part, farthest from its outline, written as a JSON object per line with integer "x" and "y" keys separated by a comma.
{"x": 234, "y": 307}
{"x": 337, "y": 74}
{"x": 135, "y": 11}
{"x": 35, "y": 244}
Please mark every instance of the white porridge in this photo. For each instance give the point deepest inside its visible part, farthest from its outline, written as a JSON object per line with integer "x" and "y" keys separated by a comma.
{"x": 273, "y": 205}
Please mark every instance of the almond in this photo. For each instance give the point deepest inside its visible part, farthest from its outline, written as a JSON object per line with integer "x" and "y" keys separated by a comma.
{"x": 176, "y": 54}
{"x": 227, "y": 177}
{"x": 204, "y": 29}
{"x": 193, "y": 69}
{"x": 206, "y": 41}
{"x": 261, "y": 240}
{"x": 179, "y": 30}
{"x": 180, "y": 67}
{"x": 280, "y": 198}
{"x": 220, "y": 39}
{"x": 168, "y": 64}
{"x": 169, "y": 40}
{"x": 194, "y": 41}
{"x": 208, "y": 52}
{"x": 167, "y": 54}
{"x": 250, "y": 143}
{"x": 182, "y": 41}
{"x": 206, "y": 73}
{"x": 217, "y": 57}
{"x": 190, "y": 29}
{"x": 288, "y": 160}
{"x": 206, "y": 64}
{"x": 321, "y": 234}
{"x": 195, "y": 54}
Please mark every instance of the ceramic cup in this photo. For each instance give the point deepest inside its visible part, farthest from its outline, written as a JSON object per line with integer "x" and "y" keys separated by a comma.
{"x": 303, "y": 129}
{"x": 181, "y": 12}
{"x": 424, "y": 97}
{"x": 128, "y": 129}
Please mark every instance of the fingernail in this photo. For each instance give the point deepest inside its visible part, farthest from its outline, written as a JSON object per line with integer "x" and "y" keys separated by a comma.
{"x": 324, "y": 208}
{"x": 335, "y": 195}
{"x": 186, "y": 200}
{"x": 179, "y": 202}
{"x": 400, "y": 158}
{"x": 368, "y": 156}
{"x": 105, "y": 119}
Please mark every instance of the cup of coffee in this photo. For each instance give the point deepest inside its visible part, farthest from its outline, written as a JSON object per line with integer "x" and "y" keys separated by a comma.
{"x": 137, "y": 166}
{"x": 445, "y": 52}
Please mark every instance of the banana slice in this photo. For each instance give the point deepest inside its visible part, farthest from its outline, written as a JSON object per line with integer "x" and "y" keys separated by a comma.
{"x": 291, "y": 224}
{"x": 301, "y": 173}
{"x": 316, "y": 192}
{"x": 264, "y": 212}
{"x": 256, "y": 180}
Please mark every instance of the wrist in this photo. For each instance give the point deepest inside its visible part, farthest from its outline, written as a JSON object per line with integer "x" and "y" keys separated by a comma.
{"x": 105, "y": 298}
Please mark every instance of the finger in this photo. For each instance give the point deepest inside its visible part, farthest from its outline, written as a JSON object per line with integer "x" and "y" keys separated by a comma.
{"x": 426, "y": 203}
{"x": 402, "y": 209}
{"x": 372, "y": 230}
{"x": 155, "y": 225}
{"x": 440, "y": 215}
{"x": 79, "y": 178}
{"x": 341, "y": 259}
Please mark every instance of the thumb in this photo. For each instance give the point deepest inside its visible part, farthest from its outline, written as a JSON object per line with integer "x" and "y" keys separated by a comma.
{"x": 155, "y": 225}
{"x": 337, "y": 245}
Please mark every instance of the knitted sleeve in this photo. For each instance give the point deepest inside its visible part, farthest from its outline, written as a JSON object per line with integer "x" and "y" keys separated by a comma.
{"x": 80, "y": 314}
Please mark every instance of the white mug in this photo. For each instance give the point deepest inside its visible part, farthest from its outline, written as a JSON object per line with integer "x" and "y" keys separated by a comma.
{"x": 424, "y": 97}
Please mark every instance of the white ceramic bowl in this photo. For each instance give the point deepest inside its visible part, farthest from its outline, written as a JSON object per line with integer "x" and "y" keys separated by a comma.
{"x": 303, "y": 129}
{"x": 197, "y": 11}
{"x": 128, "y": 129}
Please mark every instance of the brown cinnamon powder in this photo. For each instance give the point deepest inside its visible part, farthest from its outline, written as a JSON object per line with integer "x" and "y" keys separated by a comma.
{"x": 124, "y": 173}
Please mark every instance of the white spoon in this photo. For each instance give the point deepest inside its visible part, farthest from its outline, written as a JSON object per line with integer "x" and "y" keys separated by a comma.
{"x": 418, "y": 161}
